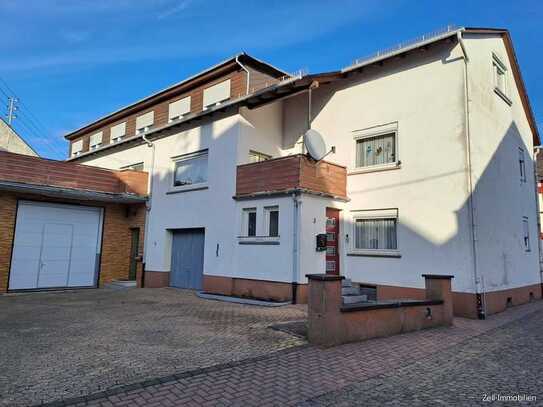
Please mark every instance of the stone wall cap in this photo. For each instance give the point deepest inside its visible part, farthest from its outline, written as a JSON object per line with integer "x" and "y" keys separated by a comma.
{"x": 369, "y": 306}
{"x": 438, "y": 276}
{"x": 324, "y": 277}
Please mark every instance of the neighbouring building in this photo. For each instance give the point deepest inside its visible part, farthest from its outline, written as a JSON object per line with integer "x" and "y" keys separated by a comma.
{"x": 66, "y": 225}
{"x": 12, "y": 142}
{"x": 432, "y": 172}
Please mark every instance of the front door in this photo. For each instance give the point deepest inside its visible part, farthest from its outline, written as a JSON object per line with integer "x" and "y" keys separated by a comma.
{"x": 187, "y": 258}
{"x": 332, "y": 236}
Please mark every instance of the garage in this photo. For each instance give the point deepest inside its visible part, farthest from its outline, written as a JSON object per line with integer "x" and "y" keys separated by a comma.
{"x": 55, "y": 245}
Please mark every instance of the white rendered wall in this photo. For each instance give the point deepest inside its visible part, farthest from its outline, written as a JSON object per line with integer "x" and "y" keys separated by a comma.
{"x": 501, "y": 200}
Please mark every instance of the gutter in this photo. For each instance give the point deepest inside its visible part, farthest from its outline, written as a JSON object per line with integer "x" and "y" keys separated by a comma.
{"x": 248, "y": 74}
{"x": 295, "y": 246}
{"x": 149, "y": 203}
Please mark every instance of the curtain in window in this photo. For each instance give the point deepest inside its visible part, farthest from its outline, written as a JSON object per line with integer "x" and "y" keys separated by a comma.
{"x": 375, "y": 234}
{"x": 375, "y": 150}
{"x": 191, "y": 171}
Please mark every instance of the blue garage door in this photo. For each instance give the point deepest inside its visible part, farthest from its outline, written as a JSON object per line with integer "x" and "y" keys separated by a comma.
{"x": 187, "y": 258}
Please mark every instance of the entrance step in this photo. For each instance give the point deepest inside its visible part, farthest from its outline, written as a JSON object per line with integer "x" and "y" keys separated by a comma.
{"x": 353, "y": 299}
{"x": 346, "y": 282}
{"x": 119, "y": 285}
{"x": 350, "y": 291}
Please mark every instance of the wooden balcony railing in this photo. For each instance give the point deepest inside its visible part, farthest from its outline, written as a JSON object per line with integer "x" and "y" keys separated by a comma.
{"x": 295, "y": 172}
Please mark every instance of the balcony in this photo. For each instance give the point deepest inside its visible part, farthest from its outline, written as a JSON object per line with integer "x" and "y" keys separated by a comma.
{"x": 290, "y": 174}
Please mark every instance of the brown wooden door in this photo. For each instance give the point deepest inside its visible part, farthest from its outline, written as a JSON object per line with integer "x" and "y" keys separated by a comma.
{"x": 332, "y": 236}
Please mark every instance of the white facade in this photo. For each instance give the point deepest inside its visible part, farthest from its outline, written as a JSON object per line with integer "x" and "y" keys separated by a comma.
{"x": 456, "y": 162}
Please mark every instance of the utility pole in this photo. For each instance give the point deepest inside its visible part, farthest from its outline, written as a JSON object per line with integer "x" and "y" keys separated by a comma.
{"x": 12, "y": 107}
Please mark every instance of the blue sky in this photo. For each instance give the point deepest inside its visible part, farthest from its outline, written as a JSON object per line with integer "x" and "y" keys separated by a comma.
{"x": 71, "y": 61}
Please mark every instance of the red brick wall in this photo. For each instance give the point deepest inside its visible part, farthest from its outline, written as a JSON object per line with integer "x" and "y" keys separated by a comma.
{"x": 35, "y": 170}
{"x": 116, "y": 241}
{"x": 290, "y": 172}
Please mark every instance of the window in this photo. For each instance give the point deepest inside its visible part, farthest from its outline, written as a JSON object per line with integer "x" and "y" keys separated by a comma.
{"x": 271, "y": 217}
{"x": 118, "y": 132}
{"x": 501, "y": 87}
{"x": 376, "y": 146}
{"x": 190, "y": 169}
{"x": 178, "y": 109}
{"x": 249, "y": 222}
{"x": 330, "y": 251}
{"x": 144, "y": 122}
{"x": 135, "y": 167}
{"x": 217, "y": 93}
{"x": 375, "y": 231}
{"x": 77, "y": 147}
{"x": 256, "y": 157}
{"x": 526, "y": 230}
{"x": 330, "y": 266}
{"x": 522, "y": 164}
{"x": 96, "y": 141}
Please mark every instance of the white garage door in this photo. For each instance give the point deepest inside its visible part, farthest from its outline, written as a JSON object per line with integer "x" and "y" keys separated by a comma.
{"x": 55, "y": 245}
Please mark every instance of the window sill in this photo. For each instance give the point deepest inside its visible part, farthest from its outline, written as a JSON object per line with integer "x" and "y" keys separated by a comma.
{"x": 187, "y": 188}
{"x": 375, "y": 253}
{"x": 376, "y": 168}
{"x": 258, "y": 240}
{"x": 503, "y": 96}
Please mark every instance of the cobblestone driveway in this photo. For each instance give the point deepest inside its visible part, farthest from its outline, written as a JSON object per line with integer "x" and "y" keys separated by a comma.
{"x": 443, "y": 366}
{"x": 61, "y": 345}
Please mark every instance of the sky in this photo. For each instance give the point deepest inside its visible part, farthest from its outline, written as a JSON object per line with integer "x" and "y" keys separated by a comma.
{"x": 72, "y": 61}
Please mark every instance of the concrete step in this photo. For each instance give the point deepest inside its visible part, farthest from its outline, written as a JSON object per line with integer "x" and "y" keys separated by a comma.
{"x": 346, "y": 282}
{"x": 350, "y": 291}
{"x": 353, "y": 299}
{"x": 120, "y": 285}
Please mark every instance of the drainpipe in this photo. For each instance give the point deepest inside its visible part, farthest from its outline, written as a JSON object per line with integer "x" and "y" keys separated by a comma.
{"x": 537, "y": 151}
{"x": 248, "y": 73}
{"x": 481, "y": 303}
{"x": 295, "y": 247}
{"x": 149, "y": 202}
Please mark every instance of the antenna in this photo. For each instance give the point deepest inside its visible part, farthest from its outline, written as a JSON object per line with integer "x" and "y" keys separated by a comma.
{"x": 12, "y": 107}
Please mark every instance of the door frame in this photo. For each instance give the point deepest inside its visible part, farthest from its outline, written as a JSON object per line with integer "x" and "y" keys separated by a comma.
{"x": 100, "y": 243}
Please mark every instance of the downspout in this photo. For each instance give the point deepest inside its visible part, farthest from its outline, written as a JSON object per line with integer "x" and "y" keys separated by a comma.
{"x": 538, "y": 209}
{"x": 248, "y": 74}
{"x": 149, "y": 203}
{"x": 481, "y": 303}
{"x": 295, "y": 247}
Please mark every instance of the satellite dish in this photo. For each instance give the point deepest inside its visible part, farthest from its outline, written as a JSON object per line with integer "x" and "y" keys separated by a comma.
{"x": 316, "y": 147}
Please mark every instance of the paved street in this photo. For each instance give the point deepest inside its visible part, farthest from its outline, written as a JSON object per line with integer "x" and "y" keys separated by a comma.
{"x": 444, "y": 366}
{"x": 68, "y": 344}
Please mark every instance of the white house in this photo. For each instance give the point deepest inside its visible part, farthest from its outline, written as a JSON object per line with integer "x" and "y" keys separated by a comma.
{"x": 432, "y": 172}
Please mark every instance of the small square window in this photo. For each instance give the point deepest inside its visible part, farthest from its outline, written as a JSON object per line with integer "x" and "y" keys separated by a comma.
{"x": 330, "y": 266}
{"x": 190, "y": 169}
{"x": 330, "y": 237}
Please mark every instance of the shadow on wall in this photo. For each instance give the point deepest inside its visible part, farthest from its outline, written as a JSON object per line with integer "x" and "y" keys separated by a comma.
{"x": 441, "y": 242}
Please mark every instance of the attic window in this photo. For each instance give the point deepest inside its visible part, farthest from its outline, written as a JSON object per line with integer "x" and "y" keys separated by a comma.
{"x": 77, "y": 147}
{"x": 118, "y": 132}
{"x": 144, "y": 122}
{"x": 217, "y": 93}
{"x": 178, "y": 109}
{"x": 96, "y": 141}
{"x": 501, "y": 85}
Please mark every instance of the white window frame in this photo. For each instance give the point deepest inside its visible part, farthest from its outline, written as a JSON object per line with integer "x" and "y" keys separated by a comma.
{"x": 522, "y": 164}
{"x": 371, "y": 132}
{"x": 188, "y": 157}
{"x": 147, "y": 123}
{"x": 118, "y": 138}
{"x": 95, "y": 141}
{"x": 267, "y": 210}
{"x": 526, "y": 234}
{"x": 372, "y": 214}
{"x": 245, "y": 222}
{"x": 77, "y": 147}
{"x": 183, "y": 101}
{"x": 499, "y": 67}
